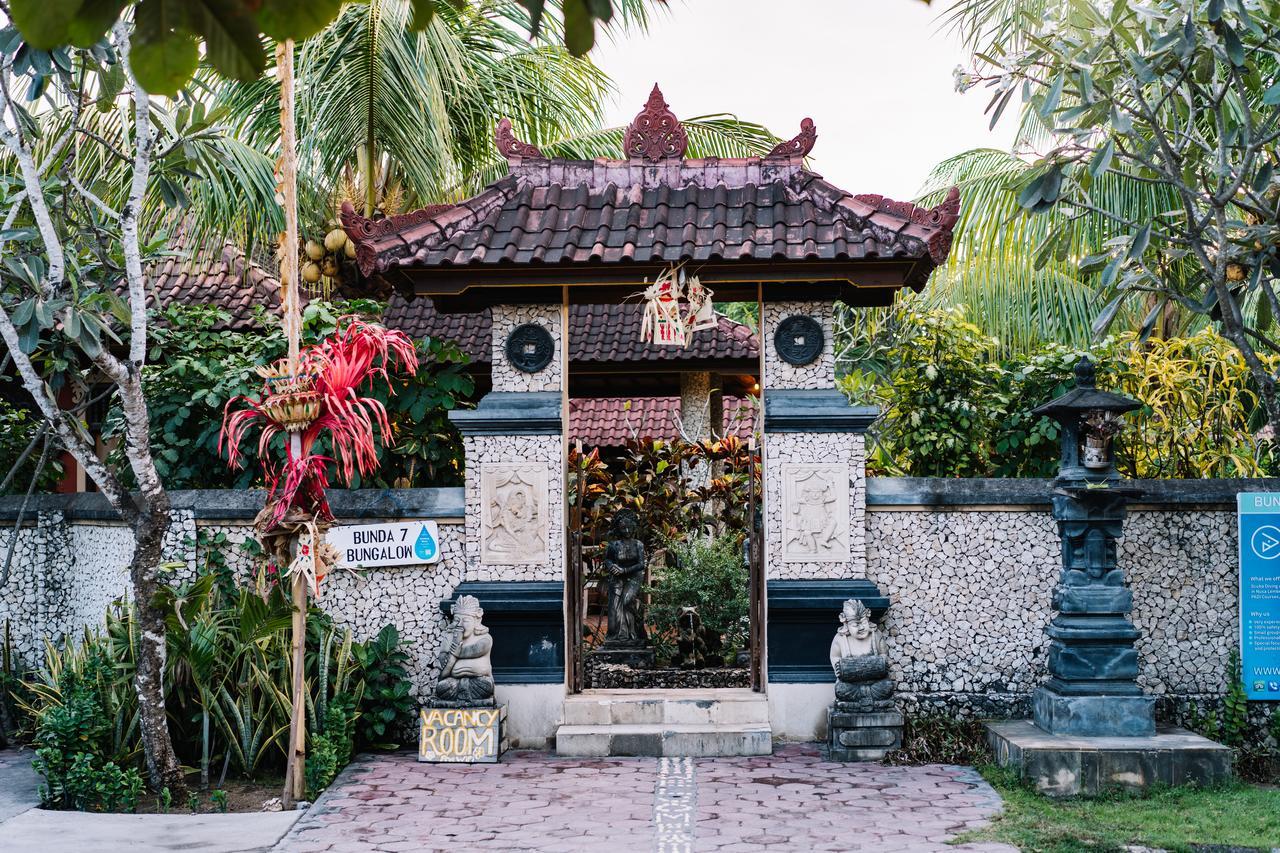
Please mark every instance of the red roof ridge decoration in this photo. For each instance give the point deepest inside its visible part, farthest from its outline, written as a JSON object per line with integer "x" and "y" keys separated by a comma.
{"x": 511, "y": 147}
{"x": 655, "y": 133}
{"x": 361, "y": 229}
{"x": 799, "y": 145}
{"x": 942, "y": 216}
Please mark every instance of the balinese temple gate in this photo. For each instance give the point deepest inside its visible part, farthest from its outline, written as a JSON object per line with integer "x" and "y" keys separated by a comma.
{"x": 556, "y": 232}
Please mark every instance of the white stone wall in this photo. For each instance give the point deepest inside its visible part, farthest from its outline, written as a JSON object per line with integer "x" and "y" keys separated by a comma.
{"x": 970, "y": 592}
{"x": 969, "y": 587}
{"x": 777, "y": 373}
{"x": 506, "y": 377}
{"x": 841, "y": 448}
{"x": 482, "y": 450}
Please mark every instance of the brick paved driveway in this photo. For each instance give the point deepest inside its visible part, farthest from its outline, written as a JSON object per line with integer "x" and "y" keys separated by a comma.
{"x": 791, "y": 800}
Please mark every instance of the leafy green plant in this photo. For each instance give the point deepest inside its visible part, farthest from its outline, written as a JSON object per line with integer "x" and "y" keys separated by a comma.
{"x": 331, "y": 747}
{"x": 73, "y": 738}
{"x": 219, "y": 800}
{"x": 164, "y": 802}
{"x": 709, "y": 574}
{"x": 193, "y": 802}
{"x": 386, "y": 708}
{"x": 952, "y": 408}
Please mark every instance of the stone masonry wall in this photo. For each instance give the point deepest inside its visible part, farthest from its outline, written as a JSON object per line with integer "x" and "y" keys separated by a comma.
{"x": 970, "y": 591}
{"x": 505, "y": 319}
{"x": 970, "y": 586}
{"x": 66, "y": 575}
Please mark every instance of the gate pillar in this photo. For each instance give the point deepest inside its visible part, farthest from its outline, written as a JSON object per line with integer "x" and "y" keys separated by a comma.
{"x": 514, "y": 452}
{"x": 815, "y": 508}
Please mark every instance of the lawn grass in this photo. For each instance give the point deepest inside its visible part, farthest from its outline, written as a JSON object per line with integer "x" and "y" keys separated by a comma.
{"x": 1239, "y": 815}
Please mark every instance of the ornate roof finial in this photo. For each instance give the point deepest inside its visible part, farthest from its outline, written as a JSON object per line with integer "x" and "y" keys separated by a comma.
{"x": 799, "y": 145}
{"x": 655, "y": 133}
{"x": 508, "y": 146}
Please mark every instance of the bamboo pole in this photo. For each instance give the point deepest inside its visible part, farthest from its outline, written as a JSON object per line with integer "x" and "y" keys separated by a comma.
{"x": 295, "y": 778}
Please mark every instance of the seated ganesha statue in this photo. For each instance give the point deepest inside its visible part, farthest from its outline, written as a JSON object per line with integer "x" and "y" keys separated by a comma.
{"x": 858, "y": 658}
{"x": 466, "y": 673}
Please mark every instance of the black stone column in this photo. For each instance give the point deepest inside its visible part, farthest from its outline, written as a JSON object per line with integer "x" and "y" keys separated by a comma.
{"x": 1093, "y": 666}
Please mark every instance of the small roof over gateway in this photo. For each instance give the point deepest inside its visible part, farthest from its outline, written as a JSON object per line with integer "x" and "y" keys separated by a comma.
{"x": 603, "y": 226}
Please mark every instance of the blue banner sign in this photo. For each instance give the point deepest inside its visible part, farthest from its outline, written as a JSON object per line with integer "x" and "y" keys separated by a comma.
{"x": 1259, "y": 516}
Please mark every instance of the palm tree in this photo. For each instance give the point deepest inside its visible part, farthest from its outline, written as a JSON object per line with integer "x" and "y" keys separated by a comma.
{"x": 1020, "y": 273}
{"x": 392, "y": 119}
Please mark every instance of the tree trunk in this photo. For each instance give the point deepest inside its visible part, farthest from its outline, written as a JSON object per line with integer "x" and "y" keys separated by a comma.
{"x": 149, "y": 529}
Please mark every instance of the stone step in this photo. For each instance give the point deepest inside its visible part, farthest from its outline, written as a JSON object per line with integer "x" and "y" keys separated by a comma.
{"x": 664, "y": 739}
{"x": 723, "y": 706}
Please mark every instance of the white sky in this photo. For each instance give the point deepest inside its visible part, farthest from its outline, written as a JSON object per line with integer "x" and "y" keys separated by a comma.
{"x": 874, "y": 75}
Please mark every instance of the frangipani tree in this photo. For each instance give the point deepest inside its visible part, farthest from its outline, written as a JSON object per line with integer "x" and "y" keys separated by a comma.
{"x": 1181, "y": 97}
{"x": 91, "y": 163}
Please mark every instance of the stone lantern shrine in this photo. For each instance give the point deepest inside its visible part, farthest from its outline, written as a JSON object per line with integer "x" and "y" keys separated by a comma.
{"x": 1093, "y": 727}
{"x": 554, "y": 234}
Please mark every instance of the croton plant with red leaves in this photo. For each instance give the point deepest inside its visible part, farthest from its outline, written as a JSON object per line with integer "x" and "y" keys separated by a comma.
{"x": 323, "y": 400}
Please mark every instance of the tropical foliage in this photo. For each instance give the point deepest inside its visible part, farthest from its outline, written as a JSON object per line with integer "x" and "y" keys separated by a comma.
{"x": 709, "y": 574}
{"x": 170, "y": 34}
{"x": 192, "y": 350}
{"x": 395, "y": 117}
{"x": 954, "y": 407}
{"x": 346, "y": 422}
{"x": 1184, "y": 99}
{"x": 228, "y": 686}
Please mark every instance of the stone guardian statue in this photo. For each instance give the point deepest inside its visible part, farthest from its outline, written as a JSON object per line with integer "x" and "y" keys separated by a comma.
{"x": 466, "y": 673}
{"x": 624, "y": 565}
{"x": 863, "y": 723}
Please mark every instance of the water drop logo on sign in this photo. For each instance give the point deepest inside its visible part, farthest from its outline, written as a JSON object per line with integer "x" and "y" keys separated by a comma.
{"x": 398, "y": 543}
{"x": 425, "y": 546}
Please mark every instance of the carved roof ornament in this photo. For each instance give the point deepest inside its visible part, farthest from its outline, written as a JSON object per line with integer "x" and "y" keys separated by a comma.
{"x": 942, "y": 217}
{"x": 508, "y": 146}
{"x": 655, "y": 133}
{"x": 799, "y": 145}
{"x": 361, "y": 229}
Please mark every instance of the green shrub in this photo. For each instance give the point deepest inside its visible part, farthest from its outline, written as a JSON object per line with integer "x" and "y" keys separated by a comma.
{"x": 332, "y": 746}
{"x": 386, "y": 707}
{"x": 73, "y": 738}
{"x": 709, "y": 574}
{"x": 953, "y": 409}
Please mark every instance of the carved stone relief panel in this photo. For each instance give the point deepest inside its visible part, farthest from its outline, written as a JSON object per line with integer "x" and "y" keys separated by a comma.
{"x": 815, "y": 513}
{"x": 513, "y": 514}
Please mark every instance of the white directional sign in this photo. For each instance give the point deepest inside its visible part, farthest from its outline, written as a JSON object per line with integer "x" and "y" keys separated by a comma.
{"x": 400, "y": 543}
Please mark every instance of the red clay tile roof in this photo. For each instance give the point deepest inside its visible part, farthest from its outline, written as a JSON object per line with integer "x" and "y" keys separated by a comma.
{"x": 220, "y": 279}
{"x": 597, "y": 333}
{"x": 655, "y": 207}
{"x": 611, "y": 421}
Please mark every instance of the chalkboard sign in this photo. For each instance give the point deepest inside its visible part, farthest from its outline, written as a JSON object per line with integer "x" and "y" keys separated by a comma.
{"x": 462, "y": 735}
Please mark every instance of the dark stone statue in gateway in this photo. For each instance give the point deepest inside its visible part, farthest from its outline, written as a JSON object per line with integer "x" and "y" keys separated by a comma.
{"x": 624, "y": 563}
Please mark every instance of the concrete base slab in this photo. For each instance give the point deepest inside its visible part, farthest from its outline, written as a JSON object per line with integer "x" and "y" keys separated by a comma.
{"x": 77, "y": 832}
{"x": 1068, "y": 766}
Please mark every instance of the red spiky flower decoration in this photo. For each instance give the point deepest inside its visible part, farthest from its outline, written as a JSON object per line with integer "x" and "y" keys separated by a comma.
{"x": 323, "y": 399}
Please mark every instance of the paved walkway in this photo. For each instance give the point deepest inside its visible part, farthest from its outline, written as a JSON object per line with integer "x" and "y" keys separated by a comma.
{"x": 789, "y": 801}
{"x": 27, "y": 829}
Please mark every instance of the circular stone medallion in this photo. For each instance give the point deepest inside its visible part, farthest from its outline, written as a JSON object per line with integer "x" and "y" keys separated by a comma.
{"x": 530, "y": 347}
{"x": 798, "y": 340}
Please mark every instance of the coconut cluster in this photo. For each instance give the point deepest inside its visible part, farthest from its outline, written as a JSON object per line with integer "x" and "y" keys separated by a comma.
{"x": 323, "y": 256}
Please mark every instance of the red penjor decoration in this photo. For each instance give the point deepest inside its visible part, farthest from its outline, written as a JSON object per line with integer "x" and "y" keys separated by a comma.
{"x": 323, "y": 400}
